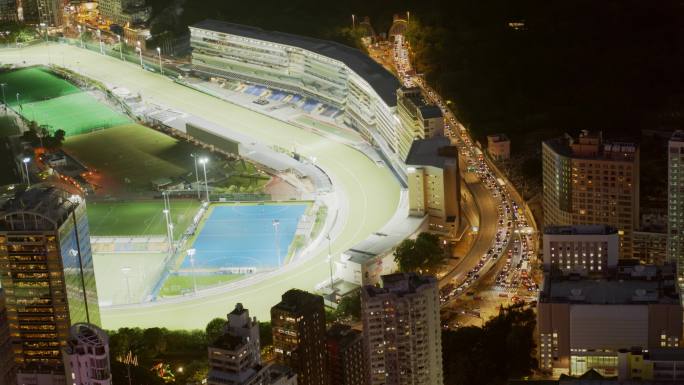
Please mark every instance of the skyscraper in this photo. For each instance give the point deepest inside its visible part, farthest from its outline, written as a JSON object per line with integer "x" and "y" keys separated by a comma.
{"x": 47, "y": 12}
{"x": 46, "y": 270}
{"x": 8, "y": 11}
{"x": 588, "y": 181}
{"x": 234, "y": 357}
{"x": 6, "y": 365}
{"x": 402, "y": 333}
{"x": 675, "y": 205}
{"x": 298, "y": 324}
{"x": 86, "y": 356}
{"x": 345, "y": 356}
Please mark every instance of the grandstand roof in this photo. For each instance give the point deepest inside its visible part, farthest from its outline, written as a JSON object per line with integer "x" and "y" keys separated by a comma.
{"x": 382, "y": 81}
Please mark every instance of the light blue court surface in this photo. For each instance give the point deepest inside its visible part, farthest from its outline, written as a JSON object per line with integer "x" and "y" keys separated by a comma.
{"x": 244, "y": 236}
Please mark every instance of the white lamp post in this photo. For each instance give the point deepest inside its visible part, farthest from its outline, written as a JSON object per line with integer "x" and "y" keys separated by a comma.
{"x": 161, "y": 66}
{"x": 203, "y": 161}
{"x": 80, "y": 35}
{"x": 120, "y": 47}
{"x": 330, "y": 260}
{"x": 28, "y": 178}
{"x": 191, "y": 255}
{"x": 194, "y": 157}
{"x": 276, "y": 226}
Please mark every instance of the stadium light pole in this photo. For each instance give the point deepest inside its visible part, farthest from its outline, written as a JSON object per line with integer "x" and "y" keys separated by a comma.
{"x": 120, "y": 47}
{"x": 169, "y": 223}
{"x": 191, "y": 255}
{"x": 139, "y": 49}
{"x": 28, "y": 178}
{"x": 194, "y": 157}
{"x": 203, "y": 161}
{"x": 125, "y": 271}
{"x": 161, "y": 66}
{"x": 80, "y": 35}
{"x": 276, "y": 226}
{"x": 330, "y": 260}
{"x": 99, "y": 37}
{"x": 4, "y": 101}
{"x": 353, "y": 21}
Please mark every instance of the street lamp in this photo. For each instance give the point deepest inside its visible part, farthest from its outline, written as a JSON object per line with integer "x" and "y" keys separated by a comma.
{"x": 26, "y": 162}
{"x": 203, "y": 161}
{"x": 99, "y": 37}
{"x": 139, "y": 49}
{"x": 330, "y": 260}
{"x": 276, "y": 226}
{"x": 194, "y": 157}
{"x": 161, "y": 66}
{"x": 191, "y": 255}
{"x": 353, "y": 21}
{"x": 80, "y": 35}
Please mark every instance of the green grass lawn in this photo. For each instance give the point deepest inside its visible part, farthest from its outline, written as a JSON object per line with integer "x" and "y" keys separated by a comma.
{"x": 75, "y": 113}
{"x": 179, "y": 284}
{"x": 34, "y": 84}
{"x": 132, "y": 152}
{"x": 144, "y": 271}
{"x": 139, "y": 218}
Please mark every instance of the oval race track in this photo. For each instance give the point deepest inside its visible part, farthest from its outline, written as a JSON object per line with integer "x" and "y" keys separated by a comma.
{"x": 371, "y": 194}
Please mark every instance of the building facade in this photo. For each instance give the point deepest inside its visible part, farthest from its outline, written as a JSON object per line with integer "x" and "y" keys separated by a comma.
{"x": 675, "y": 204}
{"x": 435, "y": 184}
{"x": 419, "y": 119}
{"x": 124, "y": 12}
{"x": 86, "y": 356}
{"x": 402, "y": 332}
{"x": 298, "y": 327}
{"x": 235, "y": 358}
{"x": 331, "y": 73}
{"x": 46, "y": 12}
{"x": 8, "y": 11}
{"x": 662, "y": 365}
{"x": 499, "y": 146}
{"x": 46, "y": 270}
{"x": 345, "y": 356}
{"x": 583, "y": 250}
{"x": 588, "y": 181}
{"x": 584, "y": 323}
{"x": 6, "y": 365}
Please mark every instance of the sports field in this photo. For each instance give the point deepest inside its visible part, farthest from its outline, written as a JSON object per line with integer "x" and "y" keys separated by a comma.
{"x": 143, "y": 271}
{"x": 245, "y": 236}
{"x": 369, "y": 194}
{"x": 131, "y": 156}
{"x": 48, "y": 100}
{"x": 181, "y": 284}
{"x": 139, "y": 218}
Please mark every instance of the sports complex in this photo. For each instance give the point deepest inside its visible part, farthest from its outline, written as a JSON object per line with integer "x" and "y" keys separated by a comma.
{"x": 365, "y": 195}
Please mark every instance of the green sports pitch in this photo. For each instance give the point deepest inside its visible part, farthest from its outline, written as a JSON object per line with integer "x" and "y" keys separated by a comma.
{"x": 51, "y": 101}
{"x": 139, "y": 218}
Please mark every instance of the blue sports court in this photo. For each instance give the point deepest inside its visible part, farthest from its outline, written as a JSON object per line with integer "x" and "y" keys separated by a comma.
{"x": 245, "y": 236}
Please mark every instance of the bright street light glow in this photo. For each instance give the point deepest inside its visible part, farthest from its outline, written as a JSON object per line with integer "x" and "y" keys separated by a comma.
{"x": 26, "y": 160}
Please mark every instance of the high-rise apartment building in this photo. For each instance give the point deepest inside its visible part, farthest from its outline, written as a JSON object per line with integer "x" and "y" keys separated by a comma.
{"x": 86, "y": 356}
{"x": 234, "y": 357}
{"x": 675, "y": 204}
{"x": 46, "y": 270}
{"x": 583, "y": 249}
{"x": 402, "y": 333}
{"x": 584, "y": 323}
{"x": 434, "y": 183}
{"x": 6, "y": 364}
{"x": 46, "y": 12}
{"x": 124, "y": 12}
{"x": 298, "y": 327}
{"x": 345, "y": 356}
{"x": 8, "y": 11}
{"x": 590, "y": 181}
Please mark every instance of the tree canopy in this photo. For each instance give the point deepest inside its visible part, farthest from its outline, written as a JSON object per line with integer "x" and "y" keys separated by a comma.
{"x": 422, "y": 255}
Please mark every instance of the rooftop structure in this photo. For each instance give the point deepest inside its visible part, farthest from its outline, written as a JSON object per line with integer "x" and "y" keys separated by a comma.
{"x": 86, "y": 356}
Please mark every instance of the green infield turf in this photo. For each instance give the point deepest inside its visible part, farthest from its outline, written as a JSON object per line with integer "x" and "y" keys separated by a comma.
{"x": 180, "y": 284}
{"x": 34, "y": 84}
{"x": 113, "y": 270}
{"x": 139, "y": 218}
{"x": 132, "y": 155}
{"x": 76, "y": 113}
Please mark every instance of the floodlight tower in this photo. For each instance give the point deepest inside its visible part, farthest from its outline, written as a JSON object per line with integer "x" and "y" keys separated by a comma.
{"x": 126, "y": 270}
{"x": 194, "y": 157}
{"x": 26, "y": 161}
{"x": 203, "y": 161}
{"x": 191, "y": 255}
{"x": 161, "y": 66}
{"x": 276, "y": 227}
{"x": 139, "y": 49}
{"x": 120, "y": 47}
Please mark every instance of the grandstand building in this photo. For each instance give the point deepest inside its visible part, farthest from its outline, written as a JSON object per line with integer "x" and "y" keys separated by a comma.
{"x": 334, "y": 74}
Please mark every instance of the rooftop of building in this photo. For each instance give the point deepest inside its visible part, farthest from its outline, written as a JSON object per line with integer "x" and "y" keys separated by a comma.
{"x": 299, "y": 301}
{"x": 430, "y": 112}
{"x": 84, "y": 334}
{"x": 414, "y": 96}
{"x": 666, "y": 354}
{"x": 631, "y": 284}
{"x": 51, "y": 204}
{"x": 401, "y": 284}
{"x": 590, "y": 145}
{"x": 677, "y": 136}
{"x": 228, "y": 341}
{"x": 426, "y": 152}
{"x": 580, "y": 230}
{"x": 382, "y": 81}
{"x": 498, "y": 138}
{"x": 344, "y": 335}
